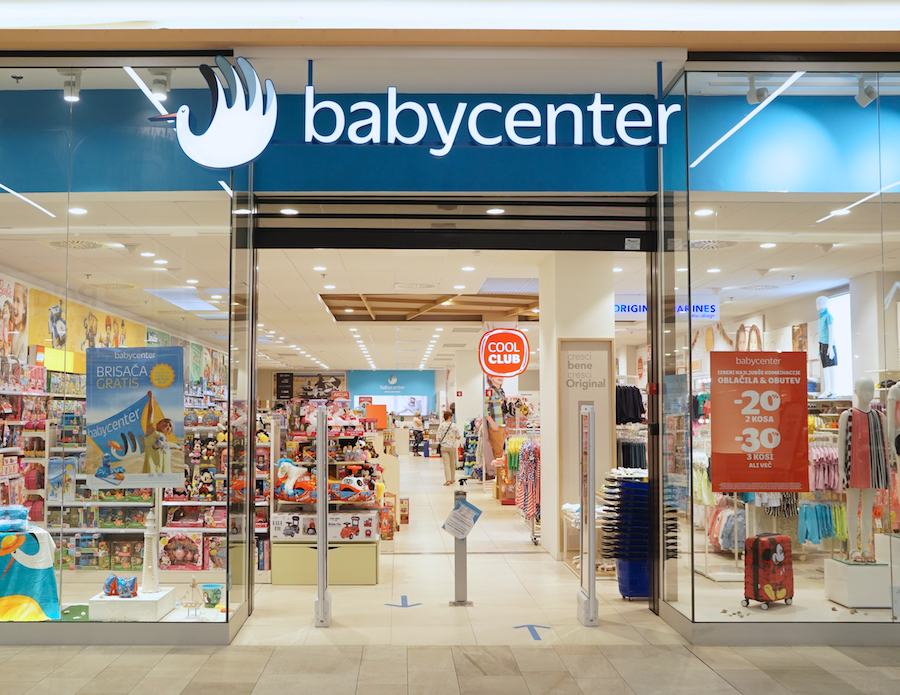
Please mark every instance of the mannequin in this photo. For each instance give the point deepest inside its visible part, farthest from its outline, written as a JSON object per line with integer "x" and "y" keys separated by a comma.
{"x": 863, "y": 464}
{"x": 827, "y": 351}
{"x": 893, "y": 423}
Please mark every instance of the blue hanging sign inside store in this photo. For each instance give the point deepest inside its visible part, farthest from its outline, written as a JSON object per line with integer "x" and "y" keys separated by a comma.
{"x": 633, "y": 307}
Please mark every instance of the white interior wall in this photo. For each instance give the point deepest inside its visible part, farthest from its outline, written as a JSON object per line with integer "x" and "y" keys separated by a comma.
{"x": 469, "y": 382}
{"x": 577, "y": 299}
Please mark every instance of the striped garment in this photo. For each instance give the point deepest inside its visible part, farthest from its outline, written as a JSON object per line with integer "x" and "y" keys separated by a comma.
{"x": 865, "y": 460}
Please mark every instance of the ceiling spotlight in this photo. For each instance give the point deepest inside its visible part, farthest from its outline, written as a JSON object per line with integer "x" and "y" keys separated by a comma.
{"x": 348, "y": 311}
{"x": 617, "y": 270}
{"x": 768, "y": 245}
{"x": 216, "y": 296}
{"x": 754, "y": 95}
{"x": 496, "y": 211}
{"x": 242, "y": 211}
{"x": 71, "y": 83}
{"x": 160, "y": 261}
{"x": 320, "y": 268}
{"x": 160, "y": 84}
{"x": 78, "y": 211}
{"x": 329, "y": 287}
{"x": 468, "y": 268}
{"x": 681, "y": 270}
{"x": 866, "y": 95}
{"x": 190, "y": 282}
{"x": 714, "y": 270}
{"x": 289, "y": 211}
{"x": 353, "y": 330}
{"x": 260, "y": 325}
{"x": 438, "y": 329}
{"x": 445, "y": 303}
{"x": 435, "y": 336}
{"x": 459, "y": 287}
{"x": 705, "y": 212}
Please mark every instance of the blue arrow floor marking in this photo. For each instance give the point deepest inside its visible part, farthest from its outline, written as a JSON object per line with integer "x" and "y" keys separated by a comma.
{"x": 404, "y": 603}
{"x": 533, "y": 630}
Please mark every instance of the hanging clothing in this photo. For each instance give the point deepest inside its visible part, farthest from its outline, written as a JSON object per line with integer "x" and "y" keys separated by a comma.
{"x": 528, "y": 478}
{"x": 865, "y": 460}
{"x": 789, "y": 506}
{"x": 629, "y": 405}
{"x": 631, "y": 452}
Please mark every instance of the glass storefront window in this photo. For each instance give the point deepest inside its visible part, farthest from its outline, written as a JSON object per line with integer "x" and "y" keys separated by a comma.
{"x": 788, "y": 221}
{"x": 115, "y": 374}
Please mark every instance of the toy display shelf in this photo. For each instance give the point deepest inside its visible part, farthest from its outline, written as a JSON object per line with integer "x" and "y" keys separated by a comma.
{"x": 95, "y": 503}
{"x": 12, "y": 450}
{"x": 92, "y": 531}
{"x": 200, "y": 428}
{"x": 192, "y": 529}
{"x": 166, "y": 577}
{"x": 43, "y": 394}
{"x": 62, "y": 448}
{"x": 193, "y": 503}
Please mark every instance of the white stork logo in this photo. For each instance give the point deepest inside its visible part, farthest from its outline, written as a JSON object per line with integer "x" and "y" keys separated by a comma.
{"x": 238, "y": 132}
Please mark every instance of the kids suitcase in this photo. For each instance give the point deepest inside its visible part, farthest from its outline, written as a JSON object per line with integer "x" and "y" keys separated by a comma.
{"x": 768, "y": 570}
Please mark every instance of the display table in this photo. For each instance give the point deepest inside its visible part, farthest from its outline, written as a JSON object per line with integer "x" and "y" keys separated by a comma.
{"x": 296, "y": 563}
{"x": 887, "y": 549}
{"x": 28, "y": 584}
{"x": 143, "y": 608}
{"x": 858, "y": 584}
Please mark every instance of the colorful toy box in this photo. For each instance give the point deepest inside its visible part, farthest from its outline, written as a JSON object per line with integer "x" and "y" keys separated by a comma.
{"x": 354, "y": 526}
{"x": 181, "y": 551}
{"x": 110, "y": 517}
{"x": 214, "y": 552}
{"x": 136, "y": 518}
{"x": 293, "y": 527}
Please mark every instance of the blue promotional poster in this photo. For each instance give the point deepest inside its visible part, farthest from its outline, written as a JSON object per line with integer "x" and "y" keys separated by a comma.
{"x": 135, "y": 417}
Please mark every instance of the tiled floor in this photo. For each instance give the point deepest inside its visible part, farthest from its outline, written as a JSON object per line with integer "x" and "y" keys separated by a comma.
{"x": 511, "y": 581}
{"x": 613, "y": 669}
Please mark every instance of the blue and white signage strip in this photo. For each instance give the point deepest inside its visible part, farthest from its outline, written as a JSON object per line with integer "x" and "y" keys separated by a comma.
{"x": 633, "y": 307}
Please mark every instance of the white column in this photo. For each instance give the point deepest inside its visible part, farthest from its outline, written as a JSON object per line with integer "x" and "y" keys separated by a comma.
{"x": 576, "y": 301}
{"x": 469, "y": 381}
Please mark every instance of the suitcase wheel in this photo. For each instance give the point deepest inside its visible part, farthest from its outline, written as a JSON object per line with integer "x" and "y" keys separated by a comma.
{"x": 788, "y": 601}
{"x": 745, "y": 602}
{"x": 764, "y": 606}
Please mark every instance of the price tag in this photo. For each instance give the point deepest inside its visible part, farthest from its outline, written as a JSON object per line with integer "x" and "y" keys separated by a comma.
{"x": 759, "y": 422}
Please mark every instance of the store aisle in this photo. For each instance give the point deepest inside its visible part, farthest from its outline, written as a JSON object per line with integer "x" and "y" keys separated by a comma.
{"x": 511, "y": 582}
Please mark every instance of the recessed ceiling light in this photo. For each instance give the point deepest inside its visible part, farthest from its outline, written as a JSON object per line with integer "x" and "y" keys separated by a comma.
{"x": 260, "y": 325}
{"x": 320, "y": 268}
{"x": 216, "y": 296}
{"x": 459, "y": 287}
{"x": 348, "y": 311}
{"x": 432, "y": 342}
{"x": 353, "y": 330}
{"x": 681, "y": 270}
{"x": 242, "y": 211}
{"x": 147, "y": 254}
{"x": 617, "y": 270}
{"x": 289, "y": 211}
{"x": 191, "y": 282}
{"x": 768, "y": 246}
{"x": 705, "y": 212}
{"x": 525, "y": 330}
{"x": 293, "y": 346}
{"x": 115, "y": 245}
{"x": 158, "y": 268}
{"x": 303, "y": 352}
{"x": 445, "y": 303}
{"x": 281, "y": 337}
{"x": 468, "y": 268}
{"x": 438, "y": 329}
{"x": 77, "y": 211}
{"x": 531, "y": 353}
{"x": 435, "y": 336}
{"x": 271, "y": 332}
{"x": 676, "y": 288}
{"x": 714, "y": 270}
{"x": 842, "y": 211}
{"x": 160, "y": 261}
{"x": 667, "y": 331}
{"x": 496, "y": 211}
{"x": 329, "y": 287}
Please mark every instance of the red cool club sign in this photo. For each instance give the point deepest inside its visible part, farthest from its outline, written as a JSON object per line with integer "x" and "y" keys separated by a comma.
{"x": 503, "y": 352}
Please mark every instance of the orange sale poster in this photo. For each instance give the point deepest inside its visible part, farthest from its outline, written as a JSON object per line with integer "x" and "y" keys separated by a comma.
{"x": 759, "y": 422}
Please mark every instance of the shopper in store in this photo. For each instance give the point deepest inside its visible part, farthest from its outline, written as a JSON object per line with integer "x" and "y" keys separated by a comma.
{"x": 418, "y": 432}
{"x": 448, "y": 436}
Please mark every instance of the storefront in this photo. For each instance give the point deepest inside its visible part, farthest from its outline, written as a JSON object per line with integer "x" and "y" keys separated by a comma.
{"x": 682, "y": 212}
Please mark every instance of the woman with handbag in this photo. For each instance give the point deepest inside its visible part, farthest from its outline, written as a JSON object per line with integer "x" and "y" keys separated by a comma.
{"x": 448, "y": 436}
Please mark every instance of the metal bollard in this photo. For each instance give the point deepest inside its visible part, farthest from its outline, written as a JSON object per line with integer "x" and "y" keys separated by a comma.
{"x": 459, "y": 559}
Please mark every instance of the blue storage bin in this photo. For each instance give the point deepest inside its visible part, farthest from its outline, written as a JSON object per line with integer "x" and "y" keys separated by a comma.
{"x": 634, "y": 578}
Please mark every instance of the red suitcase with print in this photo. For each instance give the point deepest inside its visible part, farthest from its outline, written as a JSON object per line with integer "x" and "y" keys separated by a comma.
{"x": 768, "y": 570}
